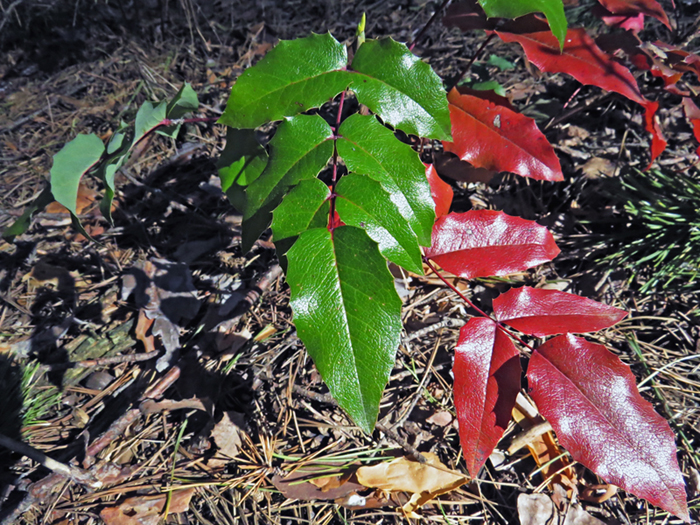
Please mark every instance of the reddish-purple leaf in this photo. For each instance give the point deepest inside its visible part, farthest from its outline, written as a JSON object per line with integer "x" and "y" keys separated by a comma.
{"x": 540, "y": 312}
{"x": 591, "y": 399}
{"x": 692, "y": 113}
{"x": 481, "y": 243}
{"x": 441, "y": 191}
{"x": 496, "y": 138}
{"x": 486, "y": 382}
{"x": 586, "y": 62}
{"x": 632, "y": 8}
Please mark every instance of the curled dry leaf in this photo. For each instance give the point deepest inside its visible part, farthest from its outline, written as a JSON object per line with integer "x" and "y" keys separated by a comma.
{"x": 424, "y": 481}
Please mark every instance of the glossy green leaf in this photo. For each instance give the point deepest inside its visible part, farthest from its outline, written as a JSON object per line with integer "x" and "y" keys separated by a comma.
{"x": 295, "y": 76}
{"x": 23, "y": 222}
{"x": 552, "y": 9}
{"x": 300, "y": 149}
{"x": 299, "y": 208}
{"x": 348, "y": 314}
{"x": 242, "y": 161}
{"x": 500, "y": 62}
{"x": 362, "y": 202}
{"x": 402, "y": 89}
{"x": 147, "y": 118}
{"x": 370, "y": 149}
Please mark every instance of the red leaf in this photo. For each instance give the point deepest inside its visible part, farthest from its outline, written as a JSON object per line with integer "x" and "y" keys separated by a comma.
{"x": 591, "y": 399}
{"x": 632, "y": 8}
{"x": 587, "y": 63}
{"x": 486, "y": 94}
{"x": 548, "y": 312}
{"x": 658, "y": 144}
{"x": 692, "y": 113}
{"x": 441, "y": 191}
{"x": 481, "y": 243}
{"x": 494, "y": 137}
{"x": 628, "y": 23}
{"x": 486, "y": 382}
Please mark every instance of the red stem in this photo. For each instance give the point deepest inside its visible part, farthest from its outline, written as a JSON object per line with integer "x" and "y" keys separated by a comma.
{"x": 331, "y": 212}
{"x": 474, "y": 57}
{"x": 501, "y": 327}
{"x": 420, "y": 34}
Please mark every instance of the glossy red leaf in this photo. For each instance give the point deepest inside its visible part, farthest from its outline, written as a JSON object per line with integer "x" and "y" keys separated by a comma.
{"x": 591, "y": 399}
{"x": 486, "y": 382}
{"x": 633, "y": 8}
{"x": 540, "y": 312}
{"x": 482, "y": 243}
{"x": 441, "y": 191}
{"x": 587, "y": 63}
{"x": 496, "y": 138}
{"x": 692, "y": 113}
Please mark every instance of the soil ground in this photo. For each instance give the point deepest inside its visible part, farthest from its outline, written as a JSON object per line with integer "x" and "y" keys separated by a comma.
{"x": 216, "y": 436}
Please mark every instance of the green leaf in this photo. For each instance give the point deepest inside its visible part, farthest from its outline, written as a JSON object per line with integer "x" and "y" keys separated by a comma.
{"x": 500, "y": 62}
{"x": 70, "y": 164}
{"x": 348, "y": 314}
{"x": 402, "y": 89}
{"x": 185, "y": 101}
{"x": 148, "y": 117}
{"x": 241, "y": 162}
{"x": 370, "y": 149}
{"x": 300, "y": 209}
{"x": 552, "y": 9}
{"x": 489, "y": 85}
{"x": 299, "y": 150}
{"x": 295, "y": 76}
{"x": 362, "y": 202}
{"x": 23, "y": 222}
{"x": 117, "y": 154}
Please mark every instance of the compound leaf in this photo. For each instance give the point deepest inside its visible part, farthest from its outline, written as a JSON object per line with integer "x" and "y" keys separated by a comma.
{"x": 369, "y": 148}
{"x": 347, "y": 313}
{"x": 586, "y": 62}
{"x": 299, "y": 150}
{"x": 486, "y": 382}
{"x": 552, "y": 9}
{"x": 482, "y": 243}
{"x": 402, "y": 89}
{"x": 540, "y": 312}
{"x": 362, "y": 202}
{"x": 494, "y": 137}
{"x": 295, "y": 76}
{"x": 591, "y": 399}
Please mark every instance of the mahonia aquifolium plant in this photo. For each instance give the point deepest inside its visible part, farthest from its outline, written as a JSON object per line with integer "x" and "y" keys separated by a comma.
{"x": 380, "y": 203}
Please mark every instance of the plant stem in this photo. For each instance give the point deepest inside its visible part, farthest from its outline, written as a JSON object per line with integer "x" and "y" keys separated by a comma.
{"x": 500, "y": 325}
{"x": 420, "y": 34}
{"x": 476, "y": 55}
{"x": 331, "y": 212}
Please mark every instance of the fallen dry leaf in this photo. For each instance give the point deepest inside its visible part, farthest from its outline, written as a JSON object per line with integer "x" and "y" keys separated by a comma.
{"x": 227, "y": 436}
{"x": 536, "y": 509}
{"x": 146, "y": 510}
{"x": 598, "y": 167}
{"x": 306, "y": 486}
{"x": 578, "y": 516}
{"x": 424, "y": 481}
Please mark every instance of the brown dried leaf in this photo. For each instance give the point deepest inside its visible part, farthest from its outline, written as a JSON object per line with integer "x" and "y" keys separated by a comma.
{"x": 227, "y": 436}
{"x": 424, "y": 481}
{"x": 304, "y": 485}
{"x": 536, "y": 509}
{"x": 598, "y": 167}
{"x": 146, "y": 510}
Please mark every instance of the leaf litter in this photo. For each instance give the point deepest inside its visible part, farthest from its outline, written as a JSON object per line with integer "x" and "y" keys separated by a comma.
{"x": 255, "y": 379}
